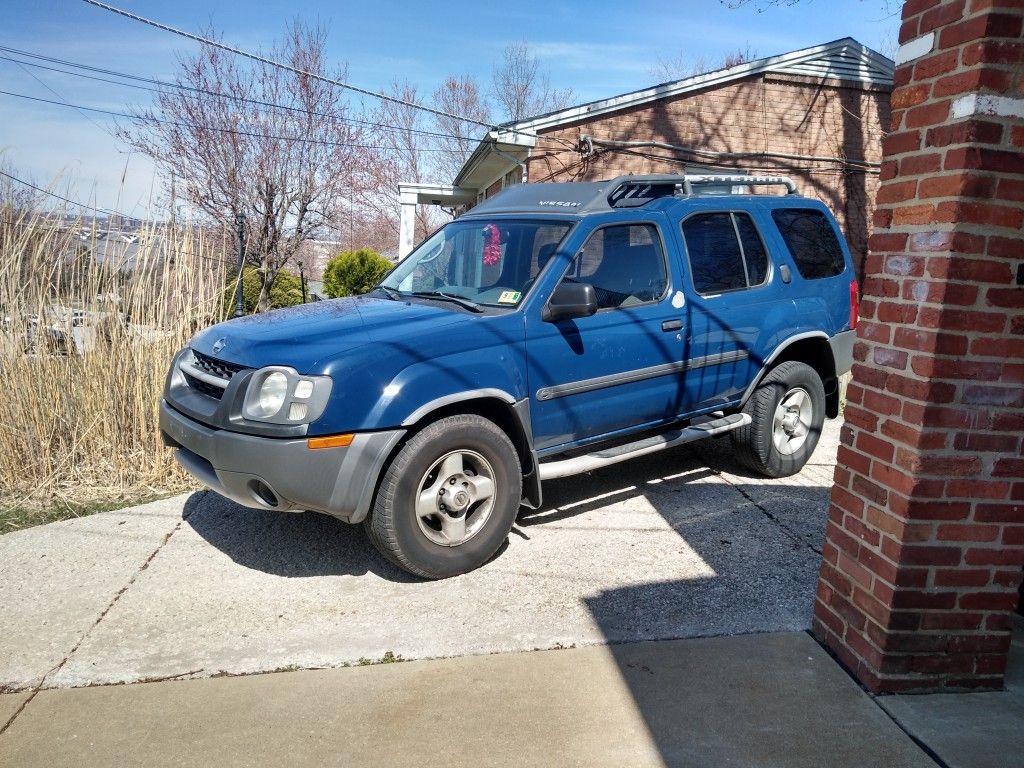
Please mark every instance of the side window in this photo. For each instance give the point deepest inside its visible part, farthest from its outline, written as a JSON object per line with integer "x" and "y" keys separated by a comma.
{"x": 719, "y": 259}
{"x": 545, "y": 243}
{"x": 753, "y": 249}
{"x": 625, "y": 264}
{"x": 811, "y": 240}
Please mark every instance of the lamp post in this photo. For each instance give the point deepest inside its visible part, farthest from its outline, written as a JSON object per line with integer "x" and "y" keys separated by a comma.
{"x": 239, "y": 303}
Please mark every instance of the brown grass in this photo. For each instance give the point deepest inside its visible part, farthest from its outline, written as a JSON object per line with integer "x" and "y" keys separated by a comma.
{"x": 79, "y": 419}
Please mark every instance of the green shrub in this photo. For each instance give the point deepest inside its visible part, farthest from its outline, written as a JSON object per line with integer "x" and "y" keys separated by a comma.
{"x": 354, "y": 272}
{"x": 285, "y": 292}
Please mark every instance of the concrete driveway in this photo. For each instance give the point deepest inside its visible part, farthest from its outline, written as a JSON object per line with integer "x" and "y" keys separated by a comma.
{"x": 679, "y": 544}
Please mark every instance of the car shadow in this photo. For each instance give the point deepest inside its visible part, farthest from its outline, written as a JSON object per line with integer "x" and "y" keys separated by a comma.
{"x": 294, "y": 545}
{"x": 309, "y": 544}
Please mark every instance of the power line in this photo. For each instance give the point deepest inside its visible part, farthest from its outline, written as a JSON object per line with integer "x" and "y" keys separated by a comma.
{"x": 306, "y": 73}
{"x": 107, "y": 211}
{"x": 232, "y": 131}
{"x": 207, "y": 92}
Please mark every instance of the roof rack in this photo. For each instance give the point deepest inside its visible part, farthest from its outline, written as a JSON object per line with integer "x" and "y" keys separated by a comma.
{"x": 635, "y": 191}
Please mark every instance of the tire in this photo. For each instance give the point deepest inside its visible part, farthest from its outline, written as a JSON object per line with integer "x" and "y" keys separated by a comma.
{"x": 787, "y": 411}
{"x": 469, "y": 465}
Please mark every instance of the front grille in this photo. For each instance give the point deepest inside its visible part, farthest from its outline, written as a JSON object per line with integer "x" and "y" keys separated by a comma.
{"x": 219, "y": 368}
{"x": 207, "y": 389}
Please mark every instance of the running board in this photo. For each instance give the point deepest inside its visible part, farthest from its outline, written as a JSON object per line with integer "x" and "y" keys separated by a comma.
{"x": 670, "y": 439}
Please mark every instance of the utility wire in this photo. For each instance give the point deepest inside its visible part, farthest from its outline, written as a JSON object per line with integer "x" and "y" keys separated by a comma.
{"x": 305, "y": 73}
{"x": 249, "y": 134}
{"x": 107, "y": 211}
{"x": 180, "y": 86}
{"x": 43, "y": 83}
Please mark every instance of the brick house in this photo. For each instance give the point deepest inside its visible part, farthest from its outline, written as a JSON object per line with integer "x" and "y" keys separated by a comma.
{"x": 816, "y": 114}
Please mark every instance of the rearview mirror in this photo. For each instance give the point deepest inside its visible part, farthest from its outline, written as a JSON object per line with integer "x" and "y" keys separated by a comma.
{"x": 570, "y": 300}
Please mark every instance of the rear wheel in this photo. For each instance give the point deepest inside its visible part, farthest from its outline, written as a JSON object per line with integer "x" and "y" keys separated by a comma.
{"x": 448, "y": 500}
{"x": 787, "y": 411}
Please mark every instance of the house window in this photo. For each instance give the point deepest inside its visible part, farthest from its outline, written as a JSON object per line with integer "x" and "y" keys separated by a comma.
{"x": 811, "y": 240}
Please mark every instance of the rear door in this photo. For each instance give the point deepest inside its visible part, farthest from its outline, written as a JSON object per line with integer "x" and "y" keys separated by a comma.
{"x": 733, "y": 292}
{"x": 618, "y": 369}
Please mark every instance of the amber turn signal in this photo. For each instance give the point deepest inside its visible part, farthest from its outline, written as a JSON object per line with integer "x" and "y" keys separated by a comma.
{"x": 334, "y": 441}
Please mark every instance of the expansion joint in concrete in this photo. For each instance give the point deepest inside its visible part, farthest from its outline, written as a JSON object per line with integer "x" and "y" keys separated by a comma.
{"x": 60, "y": 665}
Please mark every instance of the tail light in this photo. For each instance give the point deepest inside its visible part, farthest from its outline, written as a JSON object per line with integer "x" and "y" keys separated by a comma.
{"x": 854, "y": 304}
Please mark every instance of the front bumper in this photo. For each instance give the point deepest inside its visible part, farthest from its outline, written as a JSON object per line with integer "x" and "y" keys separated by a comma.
{"x": 280, "y": 473}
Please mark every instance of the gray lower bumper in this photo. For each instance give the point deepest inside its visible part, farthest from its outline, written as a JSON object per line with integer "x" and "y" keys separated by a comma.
{"x": 336, "y": 481}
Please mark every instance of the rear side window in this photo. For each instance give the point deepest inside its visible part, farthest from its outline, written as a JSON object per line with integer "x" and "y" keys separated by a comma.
{"x": 811, "y": 240}
{"x": 725, "y": 252}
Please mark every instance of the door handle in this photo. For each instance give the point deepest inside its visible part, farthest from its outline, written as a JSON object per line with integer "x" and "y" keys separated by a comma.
{"x": 672, "y": 325}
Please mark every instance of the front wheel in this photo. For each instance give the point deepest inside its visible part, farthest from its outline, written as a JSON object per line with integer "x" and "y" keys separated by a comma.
{"x": 787, "y": 411}
{"x": 449, "y": 498}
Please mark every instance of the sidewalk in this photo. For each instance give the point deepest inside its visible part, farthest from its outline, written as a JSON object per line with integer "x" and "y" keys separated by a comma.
{"x": 764, "y": 700}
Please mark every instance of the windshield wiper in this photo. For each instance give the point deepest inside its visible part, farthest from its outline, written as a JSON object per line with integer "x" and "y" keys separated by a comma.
{"x": 389, "y": 292}
{"x": 462, "y": 301}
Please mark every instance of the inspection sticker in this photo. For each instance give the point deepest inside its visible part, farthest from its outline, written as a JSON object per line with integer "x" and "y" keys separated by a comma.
{"x": 509, "y": 297}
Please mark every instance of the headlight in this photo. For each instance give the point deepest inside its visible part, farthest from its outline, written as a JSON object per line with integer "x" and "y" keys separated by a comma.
{"x": 270, "y": 396}
{"x": 282, "y": 396}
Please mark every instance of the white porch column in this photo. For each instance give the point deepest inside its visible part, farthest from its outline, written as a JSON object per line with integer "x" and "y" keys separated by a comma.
{"x": 407, "y": 222}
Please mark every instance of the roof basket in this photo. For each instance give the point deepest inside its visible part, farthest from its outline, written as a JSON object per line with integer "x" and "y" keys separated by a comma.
{"x": 636, "y": 191}
{"x": 633, "y": 194}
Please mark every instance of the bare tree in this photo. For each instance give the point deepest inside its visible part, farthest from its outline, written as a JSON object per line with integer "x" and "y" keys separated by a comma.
{"x": 403, "y": 154}
{"x": 681, "y": 65}
{"x": 16, "y": 198}
{"x": 284, "y": 167}
{"x": 460, "y": 96}
{"x": 521, "y": 88}
{"x": 888, "y": 7}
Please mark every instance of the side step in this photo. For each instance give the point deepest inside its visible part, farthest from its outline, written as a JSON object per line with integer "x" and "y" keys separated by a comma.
{"x": 670, "y": 439}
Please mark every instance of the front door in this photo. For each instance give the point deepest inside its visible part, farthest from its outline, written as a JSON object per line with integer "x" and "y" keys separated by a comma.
{"x": 620, "y": 368}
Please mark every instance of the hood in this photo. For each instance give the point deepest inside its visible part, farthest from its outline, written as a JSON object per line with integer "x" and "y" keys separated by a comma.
{"x": 305, "y": 335}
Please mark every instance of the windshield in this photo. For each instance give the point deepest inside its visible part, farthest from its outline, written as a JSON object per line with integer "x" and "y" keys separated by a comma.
{"x": 485, "y": 261}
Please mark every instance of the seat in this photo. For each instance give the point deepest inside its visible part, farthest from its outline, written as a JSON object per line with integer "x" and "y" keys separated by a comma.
{"x": 633, "y": 275}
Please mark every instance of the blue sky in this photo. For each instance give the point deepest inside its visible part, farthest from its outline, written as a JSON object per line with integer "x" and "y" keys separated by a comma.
{"x": 599, "y": 48}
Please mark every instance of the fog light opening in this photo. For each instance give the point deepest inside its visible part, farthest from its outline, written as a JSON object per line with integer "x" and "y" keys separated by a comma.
{"x": 263, "y": 493}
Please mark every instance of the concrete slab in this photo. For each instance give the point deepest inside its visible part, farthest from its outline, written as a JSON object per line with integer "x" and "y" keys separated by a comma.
{"x": 56, "y": 580}
{"x": 793, "y": 501}
{"x": 970, "y": 730}
{"x": 769, "y": 701}
{"x": 967, "y": 730}
{"x": 660, "y": 548}
{"x": 11, "y": 703}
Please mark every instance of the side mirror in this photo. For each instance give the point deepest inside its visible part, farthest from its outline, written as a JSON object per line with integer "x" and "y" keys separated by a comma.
{"x": 570, "y": 300}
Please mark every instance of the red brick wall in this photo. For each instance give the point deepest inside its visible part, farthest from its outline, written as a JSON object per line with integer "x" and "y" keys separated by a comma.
{"x": 925, "y": 539}
{"x": 782, "y": 114}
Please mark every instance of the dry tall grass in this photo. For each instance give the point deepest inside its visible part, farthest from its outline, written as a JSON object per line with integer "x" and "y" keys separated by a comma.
{"x": 88, "y": 327}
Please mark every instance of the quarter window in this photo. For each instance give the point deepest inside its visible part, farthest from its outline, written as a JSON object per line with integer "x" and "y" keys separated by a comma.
{"x": 725, "y": 252}
{"x": 625, "y": 264}
{"x": 811, "y": 240}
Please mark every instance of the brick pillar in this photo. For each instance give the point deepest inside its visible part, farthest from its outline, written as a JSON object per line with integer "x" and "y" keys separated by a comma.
{"x": 925, "y": 538}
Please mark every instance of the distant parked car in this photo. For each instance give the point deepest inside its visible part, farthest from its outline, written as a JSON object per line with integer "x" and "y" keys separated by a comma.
{"x": 552, "y": 330}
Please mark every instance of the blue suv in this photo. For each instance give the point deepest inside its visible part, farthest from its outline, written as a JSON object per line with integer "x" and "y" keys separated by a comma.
{"x": 551, "y": 330}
